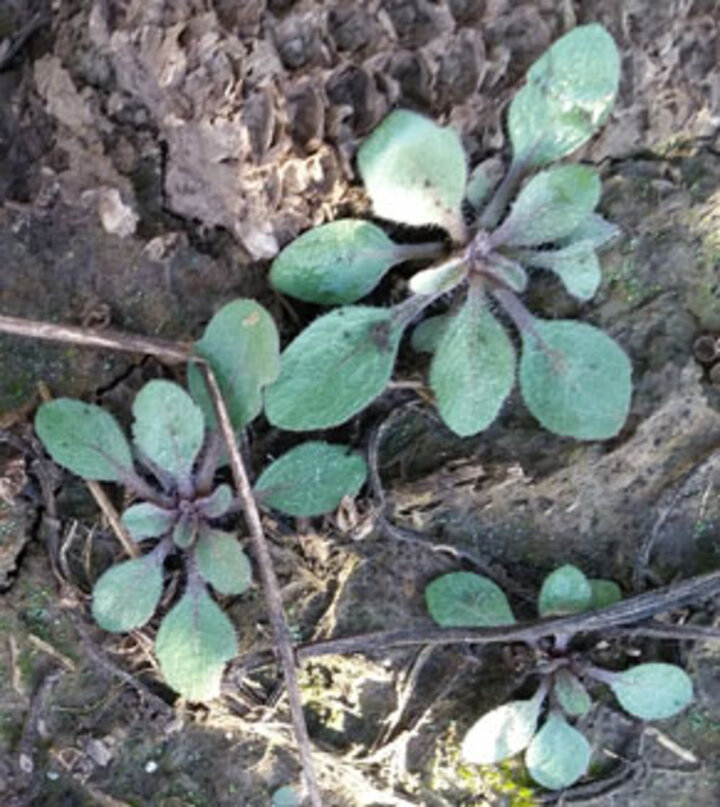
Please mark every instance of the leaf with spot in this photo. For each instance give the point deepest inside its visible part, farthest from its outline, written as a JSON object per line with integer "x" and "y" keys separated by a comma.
{"x": 222, "y": 562}
{"x": 334, "y": 368}
{"x": 415, "y": 172}
{"x": 575, "y": 379}
{"x": 559, "y": 754}
{"x": 169, "y": 427}
{"x": 473, "y": 369}
{"x": 85, "y": 439}
{"x": 551, "y": 206}
{"x": 126, "y": 595}
{"x": 653, "y": 691}
{"x": 467, "y": 600}
{"x": 564, "y": 591}
{"x": 147, "y": 520}
{"x": 241, "y": 346}
{"x": 193, "y": 645}
{"x": 568, "y": 96}
{"x": 312, "y": 479}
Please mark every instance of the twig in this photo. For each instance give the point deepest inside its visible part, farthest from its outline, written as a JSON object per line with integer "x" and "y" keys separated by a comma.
{"x": 17, "y": 42}
{"x": 38, "y": 702}
{"x": 281, "y": 632}
{"x": 634, "y": 609}
{"x": 683, "y": 633}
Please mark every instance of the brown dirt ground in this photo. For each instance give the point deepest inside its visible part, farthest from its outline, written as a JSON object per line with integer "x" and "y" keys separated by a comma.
{"x": 153, "y": 156}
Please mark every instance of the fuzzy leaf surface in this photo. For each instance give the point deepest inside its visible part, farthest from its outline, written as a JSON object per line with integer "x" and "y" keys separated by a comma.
{"x": 473, "y": 369}
{"x": 501, "y": 733}
{"x": 564, "y": 591}
{"x": 241, "y": 345}
{"x": 575, "y": 379}
{"x": 334, "y": 368}
{"x": 185, "y": 531}
{"x": 483, "y": 180}
{"x": 312, "y": 479}
{"x": 568, "y": 96}
{"x": 169, "y": 427}
{"x": 550, "y": 206}
{"x": 146, "y": 520}
{"x": 653, "y": 691}
{"x": 467, "y": 600}
{"x": 558, "y": 755}
{"x": 218, "y": 502}
{"x": 604, "y": 593}
{"x": 126, "y": 595}
{"x": 84, "y": 438}
{"x": 571, "y": 694}
{"x": 576, "y": 265}
{"x": 415, "y": 171}
{"x": 439, "y": 279}
{"x": 194, "y": 643}
{"x": 222, "y": 562}
{"x": 427, "y": 335}
{"x": 335, "y": 263}
{"x": 595, "y": 229}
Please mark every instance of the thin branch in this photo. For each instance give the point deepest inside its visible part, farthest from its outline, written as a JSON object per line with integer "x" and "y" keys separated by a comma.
{"x": 283, "y": 639}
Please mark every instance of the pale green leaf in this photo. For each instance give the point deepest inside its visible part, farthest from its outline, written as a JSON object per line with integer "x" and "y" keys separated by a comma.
{"x": 334, "y": 368}
{"x": 559, "y": 754}
{"x": 604, "y": 593}
{"x": 193, "y": 645}
{"x": 126, "y": 596}
{"x": 564, "y": 591}
{"x": 311, "y": 479}
{"x": 653, "y": 691}
{"x": 439, "y": 279}
{"x": 502, "y": 733}
{"x": 241, "y": 345}
{"x": 285, "y": 797}
{"x": 169, "y": 427}
{"x": 508, "y": 272}
{"x": 576, "y": 265}
{"x": 473, "y": 370}
{"x": 575, "y": 379}
{"x": 483, "y": 180}
{"x": 84, "y": 438}
{"x": 427, "y": 335}
{"x": 467, "y": 600}
{"x": 185, "y": 531}
{"x": 415, "y": 171}
{"x": 222, "y": 562}
{"x": 218, "y": 503}
{"x": 594, "y": 229}
{"x": 568, "y": 96}
{"x": 571, "y": 694}
{"x": 550, "y": 206}
{"x": 147, "y": 521}
{"x": 336, "y": 263}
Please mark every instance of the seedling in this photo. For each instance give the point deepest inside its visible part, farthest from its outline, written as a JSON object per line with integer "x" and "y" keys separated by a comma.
{"x": 171, "y": 465}
{"x": 574, "y": 379}
{"x": 556, "y": 753}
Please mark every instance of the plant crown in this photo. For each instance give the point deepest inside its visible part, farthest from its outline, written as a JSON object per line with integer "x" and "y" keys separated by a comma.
{"x": 556, "y": 753}
{"x": 574, "y": 379}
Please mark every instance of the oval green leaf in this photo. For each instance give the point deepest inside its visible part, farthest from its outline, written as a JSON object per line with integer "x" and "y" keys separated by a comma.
{"x": 334, "y": 368}
{"x": 568, "y": 96}
{"x": 334, "y": 264}
{"x": 604, "y": 593}
{"x": 653, "y": 691}
{"x": 439, "y": 279}
{"x": 311, "y": 479}
{"x": 550, "y": 206}
{"x": 126, "y": 596}
{"x": 502, "y": 733}
{"x": 222, "y": 562}
{"x": 575, "y": 379}
{"x": 576, "y": 265}
{"x": 185, "y": 531}
{"x": 241, "y": 345}
{"x": 217, "y": 503}
{"x": 147, "y": 521}
{"x": 415, "y": 171}
{"x": 193, "y": 645}
{"x": 473, "y": 370}
{"x": 85, "y": 439}
{"x": 467, "y": 600}
{"x": 169, "y": 427}
{"x": 571, "y": 694}
{"x": 483, "y": 180}
{"x": 427, "y": 335}
{"x": 594, "y": 229}
{"x": 559, "y": 754}
{"x": 564, "y": 591}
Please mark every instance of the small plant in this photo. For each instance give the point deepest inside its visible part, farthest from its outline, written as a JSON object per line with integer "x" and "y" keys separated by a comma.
{"x": 171, "y": 465}
{"x": 574, "y": 379}
{"x": 556, "y": 754}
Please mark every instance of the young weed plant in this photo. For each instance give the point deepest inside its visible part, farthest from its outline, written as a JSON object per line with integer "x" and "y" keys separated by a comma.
{"x": 574, "y": 378}
{"x": 171, "y": 466}
{"x": 556, "y": 753}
